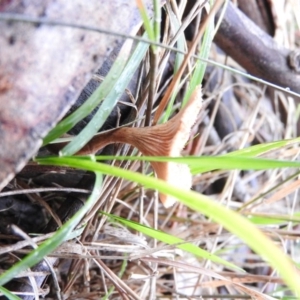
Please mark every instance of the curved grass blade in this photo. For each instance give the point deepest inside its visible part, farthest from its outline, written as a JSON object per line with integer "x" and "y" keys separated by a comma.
{"x": 149, "y": 27}
{"x": 205, "y": 164}
{"x": 209, "y": 163}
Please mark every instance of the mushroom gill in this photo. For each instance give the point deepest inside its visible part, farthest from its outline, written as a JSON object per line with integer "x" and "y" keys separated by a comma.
{"x": 166, "y": 139}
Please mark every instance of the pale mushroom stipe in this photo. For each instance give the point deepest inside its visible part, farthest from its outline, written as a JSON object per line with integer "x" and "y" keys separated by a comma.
{"x": 166, "y": 139}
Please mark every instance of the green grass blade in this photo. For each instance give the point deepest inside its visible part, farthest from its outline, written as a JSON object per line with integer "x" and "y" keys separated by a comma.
{"x": 231, "y": 220}
{"x": 172, "y": 240}
{"x": 57, "y": 239}
{"x": 147, "y": 22}
{"x": 238, "y": 163}
{"x": 200, "y": 67}
{"x": 120, "y": 275}
{"x": 8, "y": 294}
{"x": 156, "y": 20}
{"x": 209, "y": 163}
{"x": 272, "y": 220}
{"x": 108, "y": 104}
{"x": 91, "y": 103}
{"x": 261, "y": 149}
{"x": 180, "y": 43}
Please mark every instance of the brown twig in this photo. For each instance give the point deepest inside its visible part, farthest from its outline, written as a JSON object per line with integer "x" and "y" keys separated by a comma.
{"x": 255, "y": 50}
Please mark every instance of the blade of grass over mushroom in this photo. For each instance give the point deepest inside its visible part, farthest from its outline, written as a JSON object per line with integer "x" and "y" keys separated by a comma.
{"x": 200, "y": 66}
{"x": 108, "y": 104}
{"x": 231, "y": 220}
{"x": 57, "y": 239}
{"x": 209, "y": 163}
{"x": 172, "y": 240}
{"x": 95, "y": 99}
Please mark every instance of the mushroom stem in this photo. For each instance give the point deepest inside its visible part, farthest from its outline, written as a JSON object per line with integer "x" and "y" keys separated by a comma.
{"x": 166, "y": 139}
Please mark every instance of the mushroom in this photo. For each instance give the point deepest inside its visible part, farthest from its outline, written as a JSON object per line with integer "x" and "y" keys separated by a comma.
{"x": 167, "y": 139}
